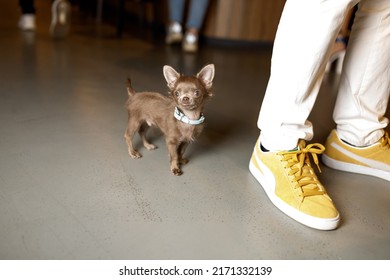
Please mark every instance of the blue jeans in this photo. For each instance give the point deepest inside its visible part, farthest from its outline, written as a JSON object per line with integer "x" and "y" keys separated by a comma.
{"x": 197, "y": 11}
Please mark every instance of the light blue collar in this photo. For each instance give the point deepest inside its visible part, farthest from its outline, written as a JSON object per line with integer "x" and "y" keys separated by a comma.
{"x": 179, "y": 115}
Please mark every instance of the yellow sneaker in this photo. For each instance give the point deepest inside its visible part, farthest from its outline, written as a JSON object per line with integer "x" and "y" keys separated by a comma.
{"x": 373, "y": 160}
{"x": 291, "y": 184}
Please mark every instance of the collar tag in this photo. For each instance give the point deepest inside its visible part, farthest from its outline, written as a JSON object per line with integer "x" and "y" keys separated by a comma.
{"x": 179, "y": 115}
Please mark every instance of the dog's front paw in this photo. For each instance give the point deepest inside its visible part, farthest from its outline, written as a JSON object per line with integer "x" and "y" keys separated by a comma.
{"x": 135, "y": 154}
{"x": 150, "y": 146}
{"x": 177, "y": 171}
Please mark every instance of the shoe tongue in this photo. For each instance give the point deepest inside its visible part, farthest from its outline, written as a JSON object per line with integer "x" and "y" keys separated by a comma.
{"x": 296, "y": 149}
{"x": 301, "y": 144}
{"x": 306, "y": 173}
{"x": 305, "y": 167}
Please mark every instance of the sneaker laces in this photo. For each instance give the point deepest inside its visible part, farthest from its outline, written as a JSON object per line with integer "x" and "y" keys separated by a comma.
{"x": 299, "y": 168}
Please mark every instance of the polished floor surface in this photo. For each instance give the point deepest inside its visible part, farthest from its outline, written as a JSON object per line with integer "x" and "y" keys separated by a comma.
{"x": 69, "y": 190}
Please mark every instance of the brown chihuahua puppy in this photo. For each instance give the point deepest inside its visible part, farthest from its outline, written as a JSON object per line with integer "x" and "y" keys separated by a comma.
{"x": 179, "y": 115}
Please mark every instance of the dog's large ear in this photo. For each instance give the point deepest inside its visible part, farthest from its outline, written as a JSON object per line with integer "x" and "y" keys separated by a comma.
{"x": 170, "y": 75}
{"x": 206, "y": 75}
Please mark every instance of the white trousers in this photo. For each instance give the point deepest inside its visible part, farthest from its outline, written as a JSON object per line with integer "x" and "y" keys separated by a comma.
{"x": 304, "y": 40}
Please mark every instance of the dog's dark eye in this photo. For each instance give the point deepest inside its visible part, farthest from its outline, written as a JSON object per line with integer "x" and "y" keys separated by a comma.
{"x": 196, "y": 92}
{"x": 177, "y": 93}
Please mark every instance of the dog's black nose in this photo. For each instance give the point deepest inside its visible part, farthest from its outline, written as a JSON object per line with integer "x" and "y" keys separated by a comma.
{"x": 186, "y": 99}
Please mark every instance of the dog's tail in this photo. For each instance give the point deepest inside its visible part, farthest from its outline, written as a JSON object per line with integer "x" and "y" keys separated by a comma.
{"x": 130, "y": 90}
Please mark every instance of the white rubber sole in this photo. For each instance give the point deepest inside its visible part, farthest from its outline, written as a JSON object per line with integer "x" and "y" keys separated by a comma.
{"x": 355, "y": 168}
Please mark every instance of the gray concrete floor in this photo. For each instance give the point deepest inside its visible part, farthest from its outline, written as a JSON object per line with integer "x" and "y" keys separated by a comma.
{"x": 68, "y": 189}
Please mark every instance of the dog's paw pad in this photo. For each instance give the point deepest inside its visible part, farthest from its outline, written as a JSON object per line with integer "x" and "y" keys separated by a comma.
{"x": 177, "y": 172}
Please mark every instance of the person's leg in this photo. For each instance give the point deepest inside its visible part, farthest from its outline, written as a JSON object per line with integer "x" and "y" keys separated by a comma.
{"x": 359, "y": 144}
{"x": 27, "y": 6}
{"x": 306, "y": 33}
{"x": 27, "y": 19}
{"x": 175, "y": 29}
{"x": 365, "y": 82}
{"x": 197, "y": 12}
{"x": 176, "y": 10}
{"x": 340, "y": 46}
{"x": 60, "y": 19}
{"x": 281, "y": 158}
